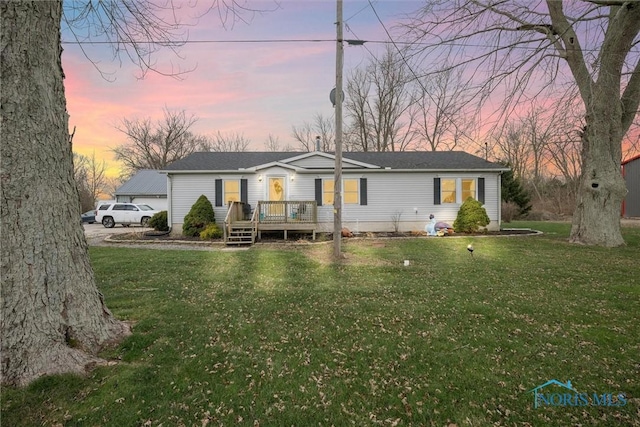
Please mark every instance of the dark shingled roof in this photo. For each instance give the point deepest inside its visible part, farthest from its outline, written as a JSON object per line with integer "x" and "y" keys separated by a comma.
{"x": 145, "y": 182}
{"x": 425, "y": 160}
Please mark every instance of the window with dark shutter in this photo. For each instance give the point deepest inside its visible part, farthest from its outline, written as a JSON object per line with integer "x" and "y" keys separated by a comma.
{"x": 363, "y": 191}
{"x": 319, "y": 191}
{"x": 436, "y": 191}
{"x": 218, "y": 189}
{"x": 481, "y": 190}
{"x": 244, "y": 192}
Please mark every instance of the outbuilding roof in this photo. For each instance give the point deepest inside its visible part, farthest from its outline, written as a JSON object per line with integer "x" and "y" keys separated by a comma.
{"x": 632, "y": 159}
{"x": 406, "y": 160}
{"x": 146, "y": 182}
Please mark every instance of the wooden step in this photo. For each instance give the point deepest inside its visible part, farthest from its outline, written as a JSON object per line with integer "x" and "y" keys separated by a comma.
{"x": 241, "y": 233}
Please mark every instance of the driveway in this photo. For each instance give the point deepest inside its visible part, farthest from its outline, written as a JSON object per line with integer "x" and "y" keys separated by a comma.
{"x": 96, "y": 233}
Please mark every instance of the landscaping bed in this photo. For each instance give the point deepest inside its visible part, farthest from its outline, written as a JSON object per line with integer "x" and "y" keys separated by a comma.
{"x": 320, "y": 237}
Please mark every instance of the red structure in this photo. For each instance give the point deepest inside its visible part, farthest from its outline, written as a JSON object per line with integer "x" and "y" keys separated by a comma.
{"x": 631, "y": 175}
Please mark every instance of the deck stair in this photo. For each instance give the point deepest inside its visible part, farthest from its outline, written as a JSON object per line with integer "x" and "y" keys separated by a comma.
{"x": 241, "y": 233}
{"x": 243, "y": 225}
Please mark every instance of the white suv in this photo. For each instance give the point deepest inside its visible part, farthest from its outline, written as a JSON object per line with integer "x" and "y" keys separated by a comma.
{"x": 110, "y": 214}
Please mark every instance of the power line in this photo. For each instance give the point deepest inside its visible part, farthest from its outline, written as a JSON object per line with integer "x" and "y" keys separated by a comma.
{"x": 184, "y": 42}
{"x": 356, "y": 14}
{"x": 417, "y": 79}
{"x": 266, "y": 41}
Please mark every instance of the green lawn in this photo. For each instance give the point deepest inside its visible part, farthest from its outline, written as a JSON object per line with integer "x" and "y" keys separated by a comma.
{"x": 281, "y": 337}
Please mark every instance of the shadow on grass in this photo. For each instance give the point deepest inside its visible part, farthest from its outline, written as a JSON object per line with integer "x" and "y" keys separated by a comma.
{"x": 282, "y": 337}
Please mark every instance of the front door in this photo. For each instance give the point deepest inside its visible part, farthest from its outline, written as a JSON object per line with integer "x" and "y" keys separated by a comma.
{"x": 277, "y": 194}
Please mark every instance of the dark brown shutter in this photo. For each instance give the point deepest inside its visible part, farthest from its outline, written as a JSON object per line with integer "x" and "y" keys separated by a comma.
{"x": 218, "y": 189}
{"x": 319, "y": 191}
{"x": 363, "y": 191}
{"x": 244, "y": 192}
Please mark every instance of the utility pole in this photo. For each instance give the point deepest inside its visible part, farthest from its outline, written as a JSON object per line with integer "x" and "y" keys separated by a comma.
{"x": 337, "y": 179}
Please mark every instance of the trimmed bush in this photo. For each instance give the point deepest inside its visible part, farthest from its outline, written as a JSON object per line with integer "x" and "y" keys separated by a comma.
{"x": 212, "y": 231}
{"x": 159, "y": 221}
{"x": 200, "y": 215}
{"x": 471, "y": 217}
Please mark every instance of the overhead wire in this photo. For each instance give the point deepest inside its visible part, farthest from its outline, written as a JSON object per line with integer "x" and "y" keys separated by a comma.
{"x": 266, "y": 41}
{"x": 413, "y": 73}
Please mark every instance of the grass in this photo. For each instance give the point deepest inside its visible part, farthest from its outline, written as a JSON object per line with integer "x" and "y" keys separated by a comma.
{"x": 274, "y": 337}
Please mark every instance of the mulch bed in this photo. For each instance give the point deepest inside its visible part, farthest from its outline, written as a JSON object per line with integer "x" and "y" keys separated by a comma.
{"x": 293, "y": 237}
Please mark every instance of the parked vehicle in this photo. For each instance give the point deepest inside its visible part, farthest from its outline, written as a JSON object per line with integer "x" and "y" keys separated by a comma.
{"x": 88, "y": 217}
{"x": 110, "y": 214}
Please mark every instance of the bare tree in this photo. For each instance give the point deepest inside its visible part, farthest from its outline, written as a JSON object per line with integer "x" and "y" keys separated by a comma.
{"x": 523, "y": 49}
{"x": 514, "y": 149}
{"x": 112, "y": 185}
{"x": 230, "y": 142}
{"x": 564, "y": 148}
{"x": 306, "y": 135}
{"x": 91, "y": 177}
{"x": 54, "y": 319}
{"x": 439, "y": 109}
{"x": 541, "y": 130}
{"x": 357, "y": 108}
{"x": 378, "y": 100}
{"x": 137, "y": 29}
{"x": 155, "y": 145}
{"x": 273, "y": 144}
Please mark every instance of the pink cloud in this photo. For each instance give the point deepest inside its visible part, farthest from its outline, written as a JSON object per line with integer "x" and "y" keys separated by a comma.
{"x": 255, "y": 89}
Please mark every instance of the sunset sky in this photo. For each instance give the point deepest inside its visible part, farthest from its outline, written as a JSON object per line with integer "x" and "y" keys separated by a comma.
{"x": 253, "y": 89}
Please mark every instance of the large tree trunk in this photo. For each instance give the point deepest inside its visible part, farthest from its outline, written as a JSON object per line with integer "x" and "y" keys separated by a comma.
{"x": 54, "y": 319}
{"x": 596, "y": 220}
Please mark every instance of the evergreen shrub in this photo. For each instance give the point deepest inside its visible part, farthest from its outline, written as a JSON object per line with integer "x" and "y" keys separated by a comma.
{"x": 159, "y": 221}
{"x": 200, "y": 215}
{"x": 471, "y": 217}
{"x": 212, "y": 231}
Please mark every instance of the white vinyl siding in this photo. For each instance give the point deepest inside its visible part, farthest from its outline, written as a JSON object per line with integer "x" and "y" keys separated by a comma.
{"x": 185, "y": 191}
{"x": 408, "y": 194}
{"x": 411, "y": 196}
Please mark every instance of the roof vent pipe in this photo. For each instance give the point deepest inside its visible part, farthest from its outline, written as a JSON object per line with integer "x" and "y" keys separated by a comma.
{"x": 318, "y": 143}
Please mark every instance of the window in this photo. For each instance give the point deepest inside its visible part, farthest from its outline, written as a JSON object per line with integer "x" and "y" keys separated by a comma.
{"x": 119, "y": 207}
{"x": 468, "y": 189}
{"x": 327, "y": 192}
{"x": 448, "y": 191}
{"x": 350, "y": 193}
{"x": 231, "y": 191}
{"x": 457, "y": 190}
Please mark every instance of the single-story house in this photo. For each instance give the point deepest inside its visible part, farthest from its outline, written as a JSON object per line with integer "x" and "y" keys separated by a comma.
{"x": 145, "y": 187}
{"x": 381, "y": 191}
{"x": 631, "y": 174}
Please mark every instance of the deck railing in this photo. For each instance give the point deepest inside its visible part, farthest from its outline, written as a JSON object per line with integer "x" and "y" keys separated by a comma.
{"x": 287, "y": 212}
{"x": 234, "y": 213}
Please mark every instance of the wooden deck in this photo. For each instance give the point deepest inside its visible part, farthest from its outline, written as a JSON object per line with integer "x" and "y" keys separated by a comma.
{"x": 301, "y": 216}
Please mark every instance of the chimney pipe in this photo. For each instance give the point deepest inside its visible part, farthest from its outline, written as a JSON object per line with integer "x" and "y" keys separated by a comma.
{"x": 318, "y": 143}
